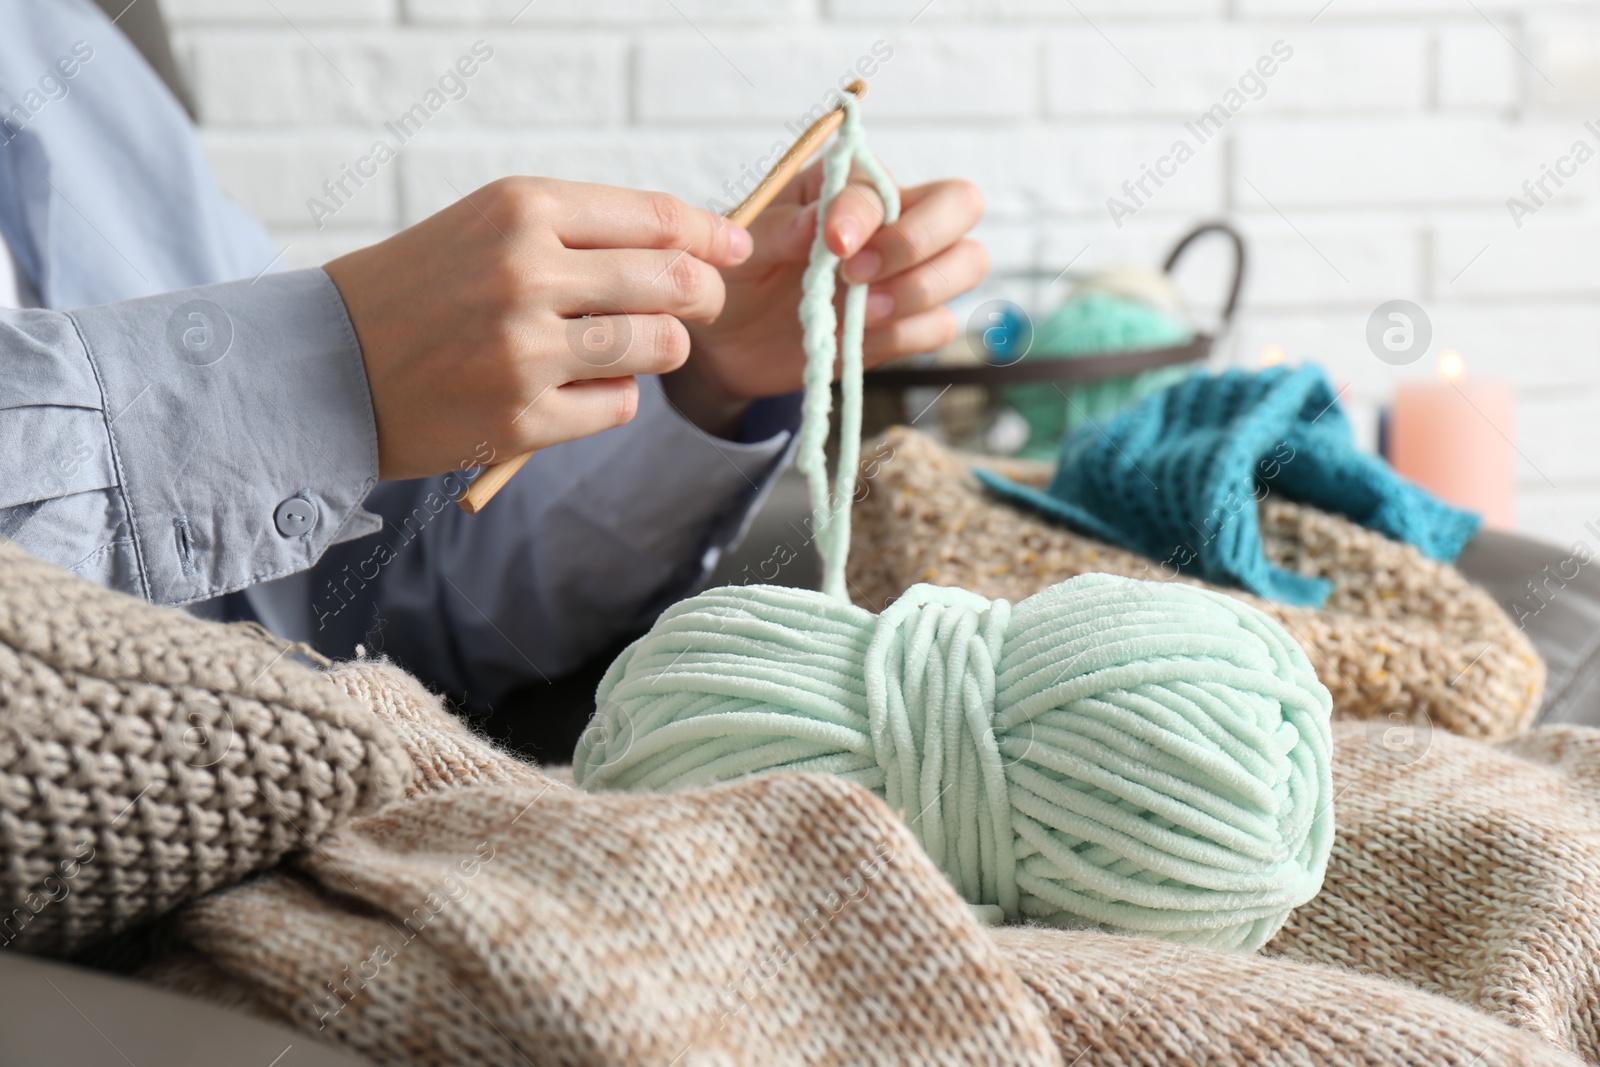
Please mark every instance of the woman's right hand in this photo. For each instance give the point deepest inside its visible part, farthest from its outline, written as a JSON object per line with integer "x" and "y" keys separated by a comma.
{"x": 519, "y": 315}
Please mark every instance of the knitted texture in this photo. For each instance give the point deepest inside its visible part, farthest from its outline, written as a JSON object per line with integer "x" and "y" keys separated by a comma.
{"x": 147, "y": 757}
{"x": 1112, "y": 1001}
{"x": 1173, "y": 478}
{"x": 1468, "y": 870}
{"x": 1087, "y": 324}
{"x": 1108, "y": 752}
{"x": 497, "y": 917}
{"x": 784, "y": 920}
{"x": 1400, "y": 637}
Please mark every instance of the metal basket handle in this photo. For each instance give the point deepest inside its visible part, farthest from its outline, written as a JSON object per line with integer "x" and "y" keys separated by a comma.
{"x": 1239, "y": 260}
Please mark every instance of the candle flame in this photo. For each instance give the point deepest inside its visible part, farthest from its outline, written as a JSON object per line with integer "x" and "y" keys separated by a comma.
{"x": 1451, "y": 365}
{"x": 1272, "y": 355}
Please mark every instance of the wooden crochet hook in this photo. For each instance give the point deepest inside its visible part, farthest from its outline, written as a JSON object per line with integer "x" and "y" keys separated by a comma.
{"x": 496, "y": 475}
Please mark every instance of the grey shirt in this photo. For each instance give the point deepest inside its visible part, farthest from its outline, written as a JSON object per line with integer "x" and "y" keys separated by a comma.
{"x": 179, "y": 422}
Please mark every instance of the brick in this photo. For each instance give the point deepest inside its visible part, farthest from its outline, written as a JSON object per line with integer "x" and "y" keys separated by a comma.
{"x": 1563, "y": 68}
{"x": 1330, "y": 261}
{"x": 1332, "y": 11}
{"x": 1476, "y": 68}
{"x": 1543, "y": 348}
{"x": 1068, "y": 170}
{"x": 1422, "y": 161}
{"x": 272, "y": 177}
{"x": 272, "y": 78}
{"x": 622, "y": 13}
{"x": 1555, "y": 435}
{"x": 1538, "y": 344}
{"x": 1552, "y": 255}
{"x": 890, "y": 11}
{"x": 181, "y": 13}
{"x": 1063, "y": 176}
{"x": 1186, "y": 70}
{"x": 972, "y": 74}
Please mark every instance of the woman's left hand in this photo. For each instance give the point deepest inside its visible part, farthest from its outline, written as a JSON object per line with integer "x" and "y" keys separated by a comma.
{"x": 912, "y": 267}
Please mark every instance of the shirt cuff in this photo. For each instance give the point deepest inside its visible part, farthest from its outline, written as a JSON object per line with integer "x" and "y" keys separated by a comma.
{"x": 704, "y": 490}
{"x": 770, "y": 416}
{"x": 241, "y": 429}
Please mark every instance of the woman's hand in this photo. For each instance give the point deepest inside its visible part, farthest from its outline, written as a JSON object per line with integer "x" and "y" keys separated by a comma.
{"x": 519, "y": 315}
{"x": 912, "y": 267}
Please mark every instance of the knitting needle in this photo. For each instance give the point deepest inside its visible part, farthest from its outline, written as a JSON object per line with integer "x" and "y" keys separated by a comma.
{"x": 496, "y": 475}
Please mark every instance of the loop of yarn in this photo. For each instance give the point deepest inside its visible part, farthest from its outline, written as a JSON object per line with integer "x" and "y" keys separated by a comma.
{"x": 823, "y": 347}
{"x": 1128, "y": 755}
{"x": 1144, "y": 757}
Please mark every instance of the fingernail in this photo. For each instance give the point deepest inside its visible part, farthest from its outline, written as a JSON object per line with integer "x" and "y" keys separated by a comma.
{"x": 863, "y": 267}
{"x": 849, "y": 232}
{"x": 879, "y": 307}
{"x": 740, "y": 243}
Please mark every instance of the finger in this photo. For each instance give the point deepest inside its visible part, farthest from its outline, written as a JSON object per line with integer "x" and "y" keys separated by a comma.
{"x": 785, "y": 231}
{"x": 853, "y": 217}
{"x": 641, "y": 282}
{"x": 923, "y": 332}
{"x": 944, "y": 277}
{"x": 603, "y": 216}
{"x": 580, "y": 409}
{"x": 617, "y": 346}
{"x": 933, "y": 217}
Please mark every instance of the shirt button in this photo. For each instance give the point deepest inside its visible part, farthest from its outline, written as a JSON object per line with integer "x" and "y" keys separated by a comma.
{"x": 295, "y": 516}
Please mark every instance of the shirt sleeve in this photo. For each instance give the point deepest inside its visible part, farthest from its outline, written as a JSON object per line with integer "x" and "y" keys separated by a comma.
{"x": 189, "y": 444}
{"x": 587, "y": 544}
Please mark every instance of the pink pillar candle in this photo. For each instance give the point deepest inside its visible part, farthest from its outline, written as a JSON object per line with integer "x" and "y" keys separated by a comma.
{"x": 1454, "y": 438}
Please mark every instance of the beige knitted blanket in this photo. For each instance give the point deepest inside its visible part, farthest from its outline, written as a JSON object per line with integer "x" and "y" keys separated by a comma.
{"x": 1402, "y": 638}
{"x": 496, "y": 916}
{"x": 423, "y": 898}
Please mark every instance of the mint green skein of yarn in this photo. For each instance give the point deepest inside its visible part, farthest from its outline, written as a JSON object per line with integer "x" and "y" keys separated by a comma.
{"x": 1135, "y": 756}
{"x": 1139, "y": 757}
{"x": 1091, "y": 324}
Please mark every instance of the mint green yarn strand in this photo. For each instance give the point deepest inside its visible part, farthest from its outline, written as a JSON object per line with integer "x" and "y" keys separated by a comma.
{"x": 826, "y": 345}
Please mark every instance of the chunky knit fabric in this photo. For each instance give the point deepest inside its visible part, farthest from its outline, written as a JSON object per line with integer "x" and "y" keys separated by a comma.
{"x": 1177, "y": 473}
{"x": 147, "y": 757}
{"x": 1401, "y": 636}
{"x": 1468, "y": 870}
{"x": 496, "y": 916}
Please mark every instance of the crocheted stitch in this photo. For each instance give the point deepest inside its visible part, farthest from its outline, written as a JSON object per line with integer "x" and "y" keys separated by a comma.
{"x": 1179, "y": 474}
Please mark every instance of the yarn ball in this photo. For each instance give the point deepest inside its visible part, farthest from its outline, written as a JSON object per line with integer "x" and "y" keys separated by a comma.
{"x": 1135, "y": 756}
{"x": 1092, "y": 324}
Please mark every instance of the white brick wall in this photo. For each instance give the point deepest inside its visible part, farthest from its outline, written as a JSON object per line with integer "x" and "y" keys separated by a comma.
{"x": 1375, "y": 165}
